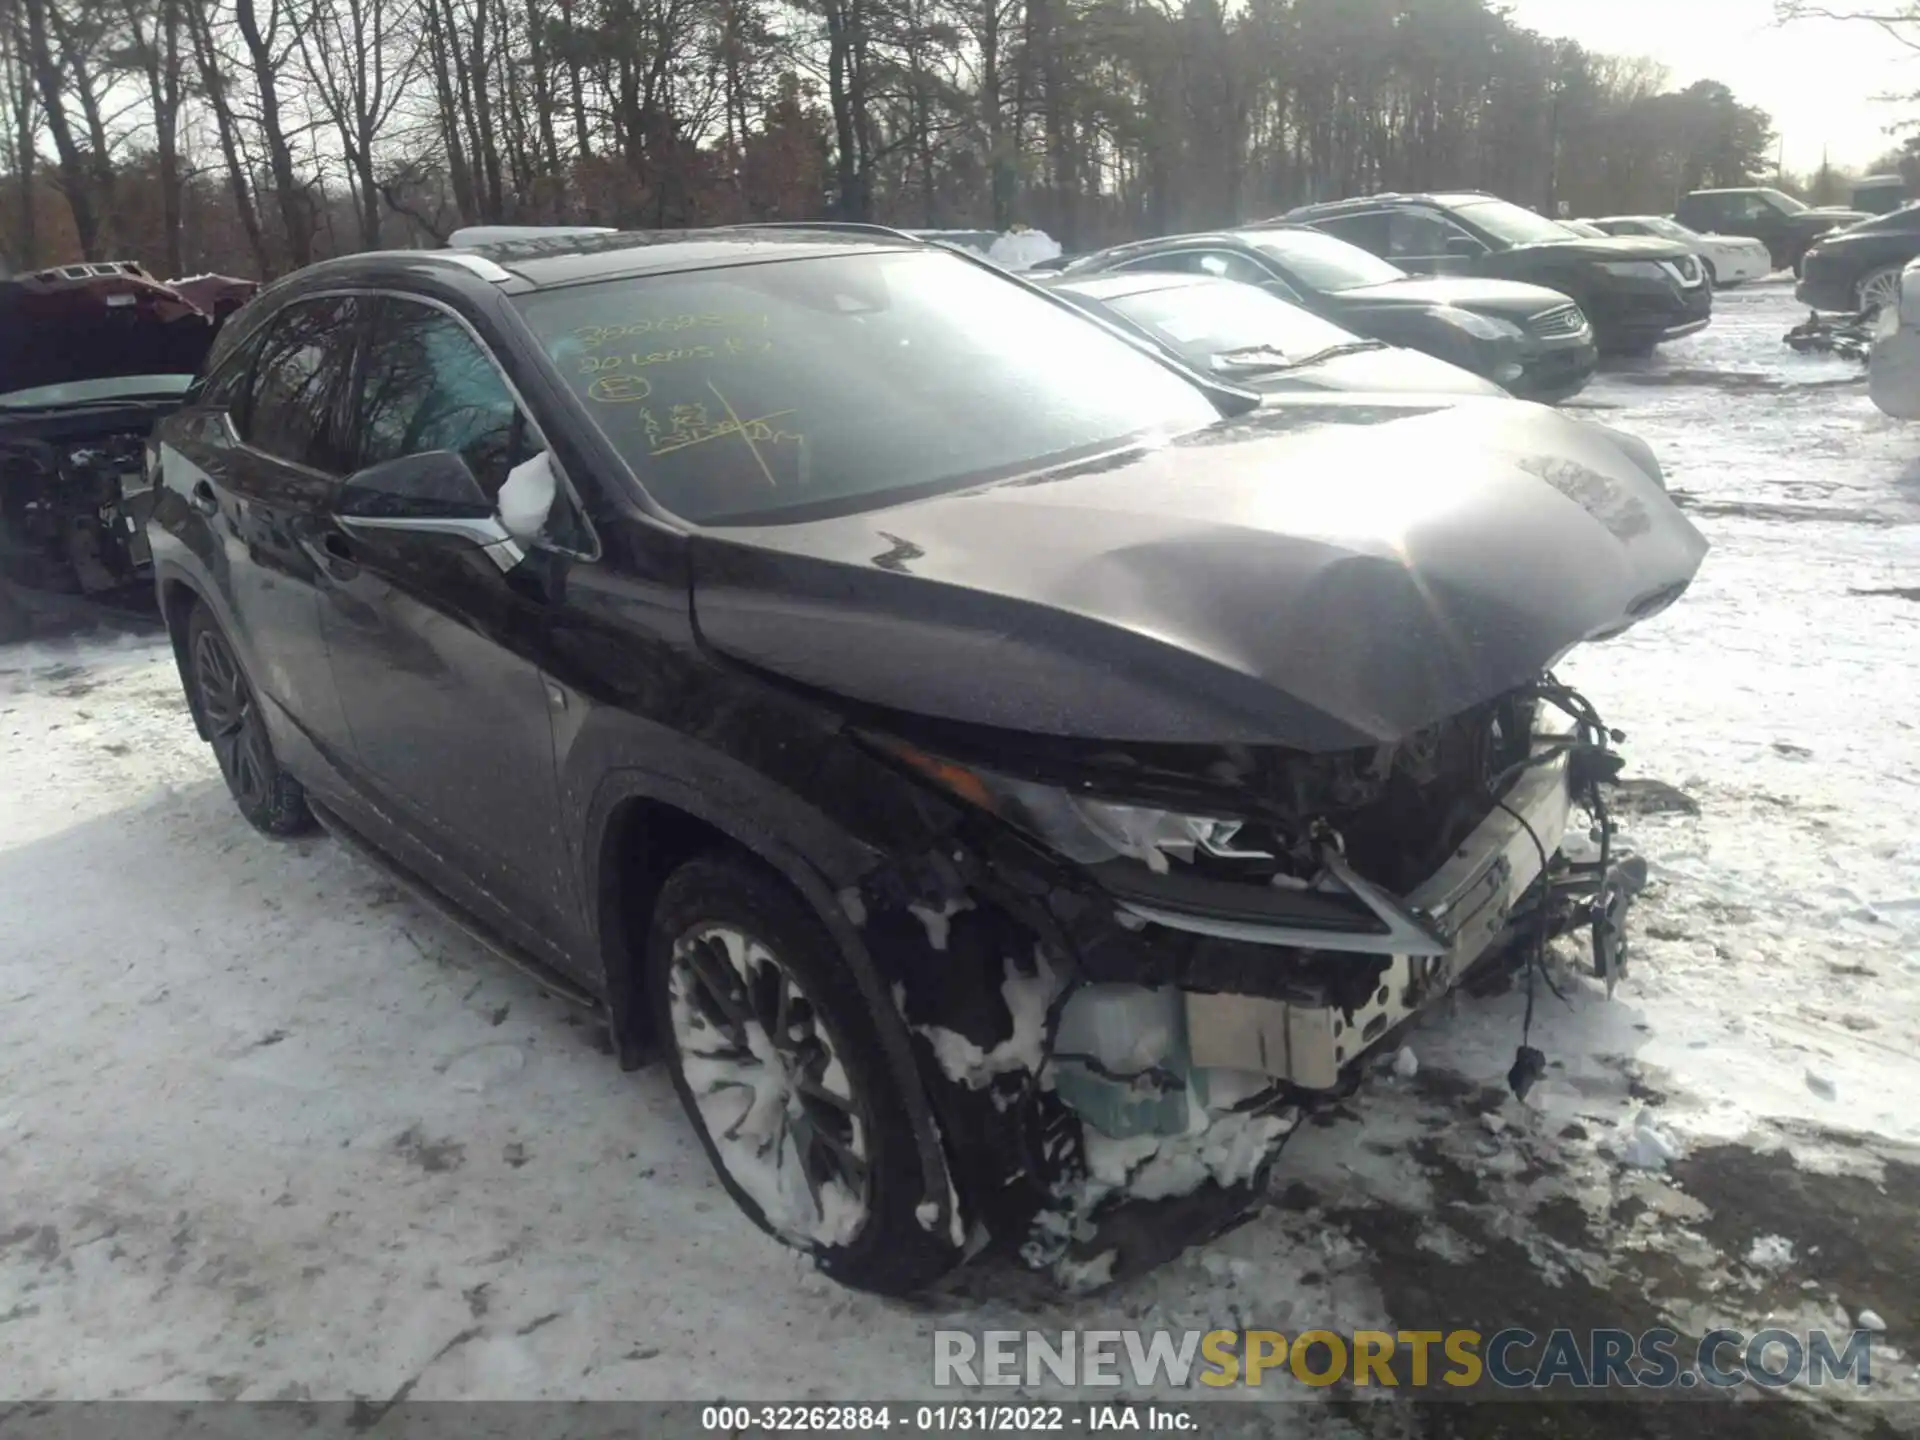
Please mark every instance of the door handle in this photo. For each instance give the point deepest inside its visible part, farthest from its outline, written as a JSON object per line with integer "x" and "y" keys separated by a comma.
{"x": 204, "y": 500}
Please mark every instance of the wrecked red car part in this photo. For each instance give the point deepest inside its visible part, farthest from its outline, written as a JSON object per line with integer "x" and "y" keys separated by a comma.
{"x": 90, "y": 357}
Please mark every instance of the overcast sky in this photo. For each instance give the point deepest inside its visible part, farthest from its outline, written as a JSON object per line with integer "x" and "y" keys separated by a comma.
{"x": 1816, "y": 78}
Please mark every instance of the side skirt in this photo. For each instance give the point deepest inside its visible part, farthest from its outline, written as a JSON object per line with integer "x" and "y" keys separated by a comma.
{"x": 536, "y": 970}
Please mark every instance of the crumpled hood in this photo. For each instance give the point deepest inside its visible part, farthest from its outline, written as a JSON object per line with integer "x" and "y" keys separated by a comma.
{"x": 1272, "y": 580}
{"x": 92, "y": 322}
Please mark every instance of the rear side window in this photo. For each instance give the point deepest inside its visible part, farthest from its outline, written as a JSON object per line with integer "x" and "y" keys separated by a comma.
{"x": 429, "y": 385}
{"x": 302, "y": 364}
{"x": 1369, "y": 231}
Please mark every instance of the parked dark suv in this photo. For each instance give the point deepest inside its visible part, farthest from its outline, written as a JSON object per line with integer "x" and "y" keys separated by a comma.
{"x": 1637, "y": 292}
{"x": 1787, "y": 226}
{"x": 1005, "y": 777}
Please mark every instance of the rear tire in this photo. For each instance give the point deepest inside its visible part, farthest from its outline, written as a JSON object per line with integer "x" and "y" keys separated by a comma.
{"x": 772, "y": 1046}
{"x": 272, "y": 800}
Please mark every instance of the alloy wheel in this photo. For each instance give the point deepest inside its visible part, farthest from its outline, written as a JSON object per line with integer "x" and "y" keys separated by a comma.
{"x": 233, "y": 722}
{"x": 766, "y": 1073}
{"x": 1880, "y": 290}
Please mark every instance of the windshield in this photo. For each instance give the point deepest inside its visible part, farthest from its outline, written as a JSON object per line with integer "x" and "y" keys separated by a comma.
{"x": 760, "y": 392}
{"x": 111, "y": 387}
{"x": 1782, "y": 201}
{"x": 1220, "y": 318}
{"x": 1671, "y": 229}
{"x": 1509, "y": 222}
{"x": 1323, "y": 263}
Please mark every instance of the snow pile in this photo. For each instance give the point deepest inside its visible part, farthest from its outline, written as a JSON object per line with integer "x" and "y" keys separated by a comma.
{"x": 938, "y": 922}
{"x": 1770, "y": 1252}
{"x": 1646, "y": 1146}
{"x": 1227, "y": 1149}
{"x": 1023, "y": 249}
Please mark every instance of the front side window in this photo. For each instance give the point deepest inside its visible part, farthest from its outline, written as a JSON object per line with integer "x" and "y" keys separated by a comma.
{"x": 1420, "y": 234}
{"x": 428, "y": 385}
{"x": 303, "y": 362}
{"x": 1225, "y": 265}
{"x": 780, "y": 390}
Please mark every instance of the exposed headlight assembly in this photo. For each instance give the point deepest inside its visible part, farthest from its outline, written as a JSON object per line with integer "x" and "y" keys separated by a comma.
{"x": 1079, "y": 828}
{"x": 1339, "y": 910}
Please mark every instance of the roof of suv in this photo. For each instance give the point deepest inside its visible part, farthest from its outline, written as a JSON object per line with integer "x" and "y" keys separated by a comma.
{"x": 1394, "y": 197}
{"x": 570, "y": 257}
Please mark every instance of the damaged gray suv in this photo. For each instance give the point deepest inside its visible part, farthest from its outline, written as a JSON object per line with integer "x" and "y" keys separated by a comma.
{"x": 1006, "y": 777}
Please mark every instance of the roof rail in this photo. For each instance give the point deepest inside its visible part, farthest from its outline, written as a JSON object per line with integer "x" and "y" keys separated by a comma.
{"x": 851, "y": 227}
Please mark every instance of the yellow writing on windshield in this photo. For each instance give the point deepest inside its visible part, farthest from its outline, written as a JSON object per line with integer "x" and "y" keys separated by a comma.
{"x": 619, "y": 387}
{"x": 692, "y": 424}
{"x": 592, "y": 337}
{"x": 730, "y": 349}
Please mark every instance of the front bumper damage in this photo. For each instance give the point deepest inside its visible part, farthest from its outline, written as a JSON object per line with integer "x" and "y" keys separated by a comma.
{"x": 1441, "y": 931}
{"x": 1155, "y": 1057}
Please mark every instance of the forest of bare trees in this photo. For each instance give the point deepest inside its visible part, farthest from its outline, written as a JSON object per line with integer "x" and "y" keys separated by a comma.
{"x": 253, "y": 136}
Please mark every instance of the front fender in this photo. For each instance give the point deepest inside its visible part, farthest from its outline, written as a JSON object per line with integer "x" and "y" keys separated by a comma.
{"x": 758, "y": 819}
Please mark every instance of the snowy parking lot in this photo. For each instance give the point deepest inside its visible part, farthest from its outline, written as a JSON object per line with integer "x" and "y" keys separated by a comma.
{"x": 268, "y": 1129}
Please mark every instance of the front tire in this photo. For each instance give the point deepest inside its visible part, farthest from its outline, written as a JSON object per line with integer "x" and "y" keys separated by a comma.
{"x": 272, "y": 800}
{"x": 778, "y": 1062}
{"x": 1880, "y": 289}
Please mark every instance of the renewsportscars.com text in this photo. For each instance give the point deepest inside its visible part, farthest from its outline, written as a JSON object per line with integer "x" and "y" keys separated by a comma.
{"x": 1511, "y": 1359}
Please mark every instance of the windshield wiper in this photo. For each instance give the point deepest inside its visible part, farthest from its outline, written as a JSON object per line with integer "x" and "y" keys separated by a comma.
{"x": 1272, "y": 357}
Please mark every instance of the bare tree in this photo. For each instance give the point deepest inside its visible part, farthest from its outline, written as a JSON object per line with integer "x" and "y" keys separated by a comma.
{"x": 359, "y": 68}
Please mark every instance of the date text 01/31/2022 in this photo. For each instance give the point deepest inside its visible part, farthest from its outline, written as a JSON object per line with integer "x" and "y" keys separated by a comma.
{"x": 943, "y": 1419}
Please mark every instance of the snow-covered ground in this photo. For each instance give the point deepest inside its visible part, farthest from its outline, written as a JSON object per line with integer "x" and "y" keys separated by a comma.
{"x": 267, "y": 1129}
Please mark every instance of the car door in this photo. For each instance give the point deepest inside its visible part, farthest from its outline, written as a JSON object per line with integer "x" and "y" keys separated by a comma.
{"x": 259, "y": 458}
{"x": 432, "y": 643}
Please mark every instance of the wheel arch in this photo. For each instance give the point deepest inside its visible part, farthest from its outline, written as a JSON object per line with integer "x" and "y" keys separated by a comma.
{"x": 178, "y": 597}
{"x": 658, "y": 822}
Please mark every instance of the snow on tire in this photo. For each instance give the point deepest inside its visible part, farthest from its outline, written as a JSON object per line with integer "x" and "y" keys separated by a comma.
{"x": 780, "y": 1068}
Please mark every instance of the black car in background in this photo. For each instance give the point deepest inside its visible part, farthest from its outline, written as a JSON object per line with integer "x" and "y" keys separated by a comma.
{"x": 1636, "y": 292}
{"x": 1531, "y": 341}
{"x": 1859, "y": 268}
{"x": 1787, "y": 226}
{"x": 905, "y": 706}
{"x": 1254, "y": 338}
